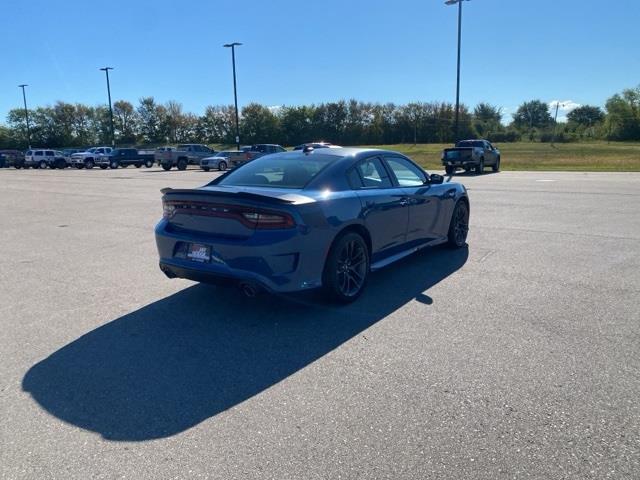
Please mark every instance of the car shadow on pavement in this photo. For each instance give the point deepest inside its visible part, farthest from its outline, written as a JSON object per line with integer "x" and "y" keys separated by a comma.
{"x": 170, "y": 365}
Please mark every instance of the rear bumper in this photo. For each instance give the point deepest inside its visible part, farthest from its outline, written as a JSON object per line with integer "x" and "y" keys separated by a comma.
{"x": 460, "y": 163}
{"x": 278, "y": 261}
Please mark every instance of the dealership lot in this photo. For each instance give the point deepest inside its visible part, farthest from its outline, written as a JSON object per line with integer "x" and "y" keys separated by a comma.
{"x": 516, "y": 358}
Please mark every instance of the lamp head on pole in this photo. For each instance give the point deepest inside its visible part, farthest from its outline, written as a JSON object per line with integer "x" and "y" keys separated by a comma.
{"x": 105, "y": 69}
{"x": 234, "y": 44}
{"x": 453, "y": 2}
{"x": 23, "y": 85}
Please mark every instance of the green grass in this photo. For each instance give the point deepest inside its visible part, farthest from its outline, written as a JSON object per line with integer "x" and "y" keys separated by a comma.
{"x": 588, "y": 156}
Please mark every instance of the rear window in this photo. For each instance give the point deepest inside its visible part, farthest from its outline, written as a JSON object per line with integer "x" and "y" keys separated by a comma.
{"x": 278, "y": 171}
{"x": 470, "y": 143}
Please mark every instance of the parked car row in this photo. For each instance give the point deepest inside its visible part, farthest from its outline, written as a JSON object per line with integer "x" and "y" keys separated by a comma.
{"x": 206, "y": 158}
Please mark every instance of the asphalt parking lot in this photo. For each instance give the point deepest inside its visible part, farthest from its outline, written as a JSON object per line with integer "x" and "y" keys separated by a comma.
{"x": 516, "y": 358}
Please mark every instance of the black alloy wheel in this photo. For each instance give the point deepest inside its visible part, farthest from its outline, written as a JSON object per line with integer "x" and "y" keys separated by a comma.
{"x": 347, "y": 268}
{"x": 459, "y": 226}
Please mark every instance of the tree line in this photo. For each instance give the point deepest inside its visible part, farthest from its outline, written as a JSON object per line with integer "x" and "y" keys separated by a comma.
{"x": 345, "y": 122}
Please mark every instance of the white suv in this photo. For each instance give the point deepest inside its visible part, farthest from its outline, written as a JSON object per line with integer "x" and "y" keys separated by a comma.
{"x": 44, "y": 158}
{"x": 88, "y": 159}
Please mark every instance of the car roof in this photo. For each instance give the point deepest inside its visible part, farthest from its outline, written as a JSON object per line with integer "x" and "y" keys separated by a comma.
{"x": 340, "y": 152}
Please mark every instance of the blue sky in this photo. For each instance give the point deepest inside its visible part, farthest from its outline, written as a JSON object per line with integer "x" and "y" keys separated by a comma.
{"x": 298, "y": 52}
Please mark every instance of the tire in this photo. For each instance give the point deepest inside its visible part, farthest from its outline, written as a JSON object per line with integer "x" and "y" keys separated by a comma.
{"x": 450, "y": 170}
{"x": 89, "y": 163}
{"x": 166, "y": 166}
{"x": 206, "y": 169}
{"x": 148, "y": 163}
{"x": 480, "y": 167}
{"x": 347, "y": 268}
{"x": 17, "y": 167}
{"x": 103, "y": 167}
{"x": 222, "y": 166}
{"x": 113, "y": 164}
{"x": 42, "y": 165}
{"x": 79, "y": 166}
{"x": 496, "y": 167}
{"x": 138, "y": 165}
{"x": 459, "y": 225}
{"x": 182, "y": 164}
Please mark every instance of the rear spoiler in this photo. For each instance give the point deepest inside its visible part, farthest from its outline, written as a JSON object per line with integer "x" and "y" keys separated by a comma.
{"x": 237, "y": 195}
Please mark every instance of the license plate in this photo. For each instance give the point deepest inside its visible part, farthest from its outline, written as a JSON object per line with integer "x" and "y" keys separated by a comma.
{"x": 199, "y": 253}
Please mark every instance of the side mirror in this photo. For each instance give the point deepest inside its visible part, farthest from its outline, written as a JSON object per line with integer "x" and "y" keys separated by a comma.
{"x": 436, "y": 179}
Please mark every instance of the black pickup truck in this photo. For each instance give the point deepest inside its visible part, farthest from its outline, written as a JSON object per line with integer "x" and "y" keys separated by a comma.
{"x": 123, "y": 157}
{"x": 471, "y": 155}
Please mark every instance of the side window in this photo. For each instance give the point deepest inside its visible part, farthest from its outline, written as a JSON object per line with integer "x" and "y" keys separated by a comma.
{"x": 38, "y": 153}
{"x": 373, "y": 174}
{"x": 29, "y": 152}
{"x": 353, "y": 177}
{"x": 49, "y": 153}
{"x": 407, "y": 174}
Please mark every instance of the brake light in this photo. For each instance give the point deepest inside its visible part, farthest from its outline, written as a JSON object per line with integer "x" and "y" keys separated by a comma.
{"x": 266, "y": 220}
{"x": 257, "y": 218}
{"x": 168, "y": 209}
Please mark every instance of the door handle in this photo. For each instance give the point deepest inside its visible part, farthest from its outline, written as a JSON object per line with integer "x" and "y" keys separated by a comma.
{"x": 404, "y": 202}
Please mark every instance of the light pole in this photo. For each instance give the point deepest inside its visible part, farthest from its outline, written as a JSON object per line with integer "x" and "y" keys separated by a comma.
{"x": 113, "y": 138}
{"x": 235, "y": 91}
{"x": 26, "y": 113}
{"x": 459, "y": 2}
{"x": 555, "y": 120}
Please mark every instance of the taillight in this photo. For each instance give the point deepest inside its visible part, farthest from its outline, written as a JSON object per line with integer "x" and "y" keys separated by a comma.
{"x": 265, "y": 220}
{"x": 251, "y": 217}
{"x": 168, "y": 209}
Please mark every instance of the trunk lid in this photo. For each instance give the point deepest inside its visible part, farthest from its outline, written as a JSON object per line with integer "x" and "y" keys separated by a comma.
{"x": 232, "y": 212}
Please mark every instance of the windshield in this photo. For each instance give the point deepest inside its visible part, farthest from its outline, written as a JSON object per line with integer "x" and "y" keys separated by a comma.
{"x": 470, "y": 143}
{"x": 223, "y": 154}
{"x": 278, "y": 171}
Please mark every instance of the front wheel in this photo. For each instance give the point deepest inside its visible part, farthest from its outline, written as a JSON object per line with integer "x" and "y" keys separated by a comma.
{"x": 450, "y": 170}
{"x": 459, "y": 226}
{"x": 222, "y": 166}
{"x": 347, "y": 268}
{"x": 103, "y": 167}
{"x": 90, "y": 164}
{"x": 148, "y": 163}
{"x": 42, "y": 165}
{"x": 113, "y": 165}
{"x": 206, "y": 169}
{"x": 480, "y": 167}
{"x": 496, "y": 167}
{"x": 166, "y": 166}
{"x": 182, "y": 164}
